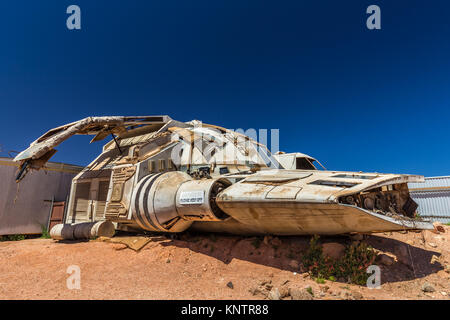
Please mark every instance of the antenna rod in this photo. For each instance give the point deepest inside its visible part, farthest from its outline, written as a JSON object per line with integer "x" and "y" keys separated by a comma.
{"x": 117, "y": 144}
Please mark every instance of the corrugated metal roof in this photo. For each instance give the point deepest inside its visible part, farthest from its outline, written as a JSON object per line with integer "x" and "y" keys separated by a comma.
{"x": 431, "y": 182}
{"x": 49, "y": 166}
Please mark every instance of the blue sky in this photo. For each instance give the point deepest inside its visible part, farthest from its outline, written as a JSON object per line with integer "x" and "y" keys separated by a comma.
{"x": 356, "y": 99}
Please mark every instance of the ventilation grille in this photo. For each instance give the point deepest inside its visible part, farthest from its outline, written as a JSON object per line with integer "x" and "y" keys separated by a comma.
{"x": 81, "y": 205}
{"x": 103, "y": 187}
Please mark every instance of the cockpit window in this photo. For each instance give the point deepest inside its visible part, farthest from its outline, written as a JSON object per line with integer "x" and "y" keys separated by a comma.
{"x": 335, "y": 184}
{"x": 304, "y": 164}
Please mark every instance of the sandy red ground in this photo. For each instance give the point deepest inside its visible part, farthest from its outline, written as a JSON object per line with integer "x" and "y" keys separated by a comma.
{"x": 200, "y": 266}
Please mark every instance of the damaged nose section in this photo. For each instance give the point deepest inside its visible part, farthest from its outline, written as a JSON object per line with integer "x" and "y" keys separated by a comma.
{"x": 389, "y": 202}
{"x": 391, "y": 199}
{"x": 327, "y": 203}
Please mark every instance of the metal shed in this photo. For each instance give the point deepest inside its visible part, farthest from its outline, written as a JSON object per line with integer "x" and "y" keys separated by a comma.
{"x": 433, "y": 197}
{"x": 25, "y": 207}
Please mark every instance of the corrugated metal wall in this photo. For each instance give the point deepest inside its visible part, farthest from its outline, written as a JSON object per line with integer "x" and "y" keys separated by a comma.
{"x": 433, "y": 198}
{"x": 25, "y": 207}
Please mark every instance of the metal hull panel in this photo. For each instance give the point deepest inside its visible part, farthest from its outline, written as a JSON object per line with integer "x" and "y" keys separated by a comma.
{"x": 294, "y": 218}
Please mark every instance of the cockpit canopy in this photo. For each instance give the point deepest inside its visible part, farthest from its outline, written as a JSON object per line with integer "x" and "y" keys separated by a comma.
{"x": 297, "y": 160}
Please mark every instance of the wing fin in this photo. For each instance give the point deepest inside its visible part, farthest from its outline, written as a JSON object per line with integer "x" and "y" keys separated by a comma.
{"x": 42, "y": 149}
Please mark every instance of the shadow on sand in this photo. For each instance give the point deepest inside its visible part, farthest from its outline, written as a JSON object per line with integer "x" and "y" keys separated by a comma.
{"x": 280, "y": 253}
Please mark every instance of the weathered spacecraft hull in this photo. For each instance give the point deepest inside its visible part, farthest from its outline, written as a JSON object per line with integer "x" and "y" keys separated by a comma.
{"x": 300, "y": 202}
{"x": 162, "y": 175}
{"x": 290, "y": 218}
